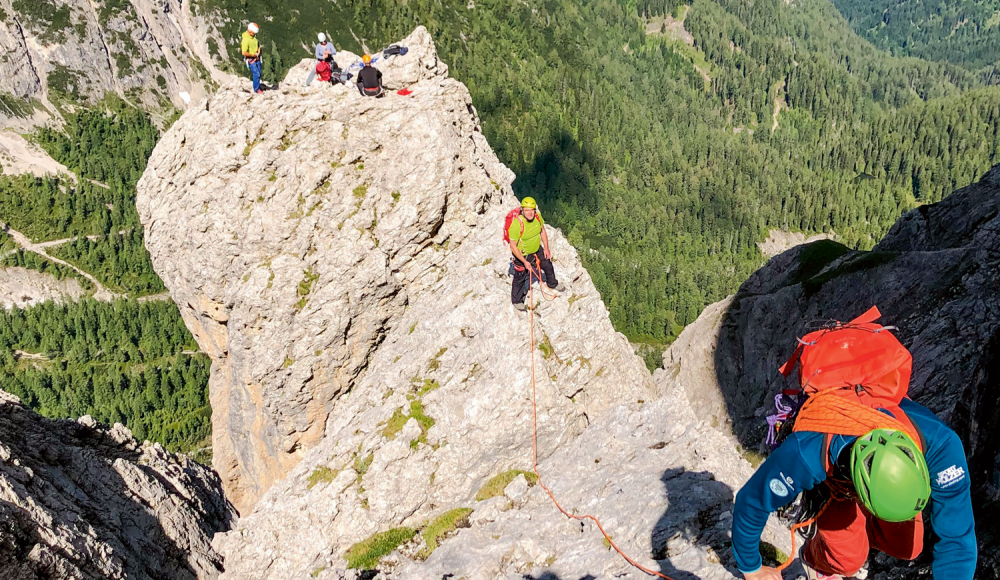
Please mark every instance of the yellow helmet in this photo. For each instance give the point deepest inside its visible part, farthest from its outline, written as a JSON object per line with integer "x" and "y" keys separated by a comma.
{"x": 528, "y": 203}
{"x": 367, "y": 58}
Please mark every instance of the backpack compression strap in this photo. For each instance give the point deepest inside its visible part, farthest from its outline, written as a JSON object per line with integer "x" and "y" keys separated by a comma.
{"x": 871, "y": 315}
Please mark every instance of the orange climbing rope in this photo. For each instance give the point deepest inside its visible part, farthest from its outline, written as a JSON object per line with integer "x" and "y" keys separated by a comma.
{"x": 797, "y": 527}
{"x": 534, "y": 433}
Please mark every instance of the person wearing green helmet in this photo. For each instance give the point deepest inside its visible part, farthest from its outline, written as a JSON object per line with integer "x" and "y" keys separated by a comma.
{"x": 890, "y": 475}
{"x": 529, "y": 245}
{"x": 882, "y": 489}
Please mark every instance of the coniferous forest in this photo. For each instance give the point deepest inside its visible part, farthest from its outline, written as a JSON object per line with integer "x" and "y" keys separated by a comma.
{"x": 120, "y": 361}
{"x": 665, "y": 158}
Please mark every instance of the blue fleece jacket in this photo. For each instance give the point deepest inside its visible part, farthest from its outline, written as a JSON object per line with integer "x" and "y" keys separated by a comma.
{"x": 797, "y": 465}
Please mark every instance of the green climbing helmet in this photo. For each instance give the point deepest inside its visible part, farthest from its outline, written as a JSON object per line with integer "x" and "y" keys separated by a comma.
{"x": 529, "y": 203}
{"x": 890, "y": 475}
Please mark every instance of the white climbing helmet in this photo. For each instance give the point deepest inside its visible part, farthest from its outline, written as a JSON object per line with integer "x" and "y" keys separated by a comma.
{"x": 252, "y": 27}
{"x": 322, "y": 37}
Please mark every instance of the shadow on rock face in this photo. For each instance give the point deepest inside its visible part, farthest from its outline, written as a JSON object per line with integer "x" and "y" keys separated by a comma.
{"x": 79, "y": 502}
{"x": 551, "y": 576}
{"x": 699, "y": 515}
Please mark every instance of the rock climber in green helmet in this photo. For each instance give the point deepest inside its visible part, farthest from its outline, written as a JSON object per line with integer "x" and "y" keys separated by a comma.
{"x": 529, "y": 245}
{"x": 883, "y": 489}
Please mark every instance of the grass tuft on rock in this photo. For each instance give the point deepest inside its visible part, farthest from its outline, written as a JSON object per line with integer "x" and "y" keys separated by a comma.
{"x": 495, "y": 486}
{"x": 399, "y": 419}
{"x": 771, "y": 554}
{"x": 322, "y": 474}
{"x": 445, "y": 523}
{"x": 361, "y": 465}
{"x": 366, "y": 554}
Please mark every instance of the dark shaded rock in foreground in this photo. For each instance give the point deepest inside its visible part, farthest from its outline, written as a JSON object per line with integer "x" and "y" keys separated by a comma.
{"x": 79, "y": 500}
{"x": 935, "y": 276}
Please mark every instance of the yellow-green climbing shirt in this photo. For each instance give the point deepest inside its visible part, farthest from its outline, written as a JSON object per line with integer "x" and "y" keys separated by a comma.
{"x": 531, "y": 239}
{"x": 249, "y": 43}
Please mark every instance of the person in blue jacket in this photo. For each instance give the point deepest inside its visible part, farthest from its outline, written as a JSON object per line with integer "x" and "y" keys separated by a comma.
{"x": 851, "y": 523}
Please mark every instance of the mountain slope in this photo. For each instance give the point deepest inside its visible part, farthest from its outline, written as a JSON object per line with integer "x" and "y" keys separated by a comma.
{"x": 81, "y": 500}
{"x": 60, "y": 54}
{"x": 962, "y": 32}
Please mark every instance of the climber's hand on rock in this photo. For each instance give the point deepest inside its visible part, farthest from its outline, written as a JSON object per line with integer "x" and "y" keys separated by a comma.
{"x": 765, "y": 573}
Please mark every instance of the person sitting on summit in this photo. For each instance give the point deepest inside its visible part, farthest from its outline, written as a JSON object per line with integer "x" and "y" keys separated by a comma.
{"x": 877, "y": 460}
{"x": 529, "y": 245}
{"x": 324, "y": 47}
{"x": 370, "y": 79}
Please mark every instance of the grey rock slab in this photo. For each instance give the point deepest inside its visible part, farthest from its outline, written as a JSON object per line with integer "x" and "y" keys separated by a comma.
{"x": 80, "y": 500}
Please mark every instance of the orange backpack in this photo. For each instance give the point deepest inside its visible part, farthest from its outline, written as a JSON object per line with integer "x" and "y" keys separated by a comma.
{"x": 848, "y": 372}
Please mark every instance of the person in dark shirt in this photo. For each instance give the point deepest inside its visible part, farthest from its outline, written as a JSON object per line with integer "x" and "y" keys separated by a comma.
{"x": 370, "y": 79}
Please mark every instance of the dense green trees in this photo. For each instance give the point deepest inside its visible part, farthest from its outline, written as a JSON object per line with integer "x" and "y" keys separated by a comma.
{"x": 121, "y": 361}
{"x": 51, "y": 208}
{"x": 963, "y": 32}
{"x": 124, "y": 361}
{"x": 118, "y": 260}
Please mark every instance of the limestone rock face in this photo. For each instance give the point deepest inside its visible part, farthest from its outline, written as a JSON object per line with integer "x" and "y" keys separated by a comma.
{"x": 320, "y": 242}
{"x": 151, "y": 52}
{"x": 79, "y": 500}
{"x": 340, "y": 259}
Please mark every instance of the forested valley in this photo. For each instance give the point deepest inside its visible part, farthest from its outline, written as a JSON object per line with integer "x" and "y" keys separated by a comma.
{"x": 962, "y": 32}
{"x": 666, "y": 139}
{"x": 672, "y": 161}
{"x": 119, "y": 361}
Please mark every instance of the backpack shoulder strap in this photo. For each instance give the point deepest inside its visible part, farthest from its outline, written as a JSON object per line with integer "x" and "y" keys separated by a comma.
{"x": 827, "y": 464}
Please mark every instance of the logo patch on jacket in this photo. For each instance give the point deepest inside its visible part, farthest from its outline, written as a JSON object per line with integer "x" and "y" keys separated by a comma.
{"x": 949, "y": 476}
{"x": 778, "y": 487}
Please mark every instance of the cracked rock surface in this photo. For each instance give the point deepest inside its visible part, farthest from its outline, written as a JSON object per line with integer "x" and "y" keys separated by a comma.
{"x": 152, "y": 53}
{"x": 80, "y": 500}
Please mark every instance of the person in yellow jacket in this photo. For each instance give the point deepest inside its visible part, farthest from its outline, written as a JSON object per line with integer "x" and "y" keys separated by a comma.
{"x": 250, "y": 47}
{"x": 530, "y": 246}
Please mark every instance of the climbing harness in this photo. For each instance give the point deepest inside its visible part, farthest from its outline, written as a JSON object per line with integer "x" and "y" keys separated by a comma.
{"x": 797, "y": 527}
{"x": 534, "y": 431}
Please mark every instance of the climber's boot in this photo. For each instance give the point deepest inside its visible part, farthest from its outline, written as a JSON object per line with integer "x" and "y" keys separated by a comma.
{"x": 520, "y": 307}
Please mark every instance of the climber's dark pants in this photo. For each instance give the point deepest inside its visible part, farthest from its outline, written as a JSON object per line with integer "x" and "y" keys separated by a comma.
{"x": 522, "y": 278}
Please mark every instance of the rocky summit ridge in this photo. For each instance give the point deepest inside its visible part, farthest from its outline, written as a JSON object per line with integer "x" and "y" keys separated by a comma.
{"x": 339, "y": 258}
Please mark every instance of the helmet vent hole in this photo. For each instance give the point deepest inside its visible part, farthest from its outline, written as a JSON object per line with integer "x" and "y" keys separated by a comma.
{"x": 868, "y": 463}
{"x": 909, "y": 453}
